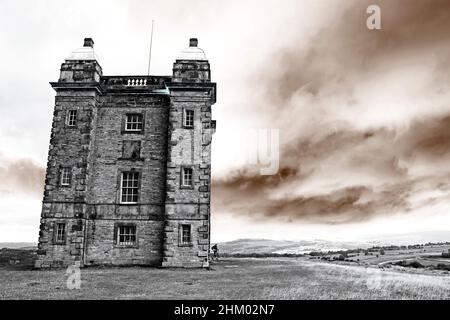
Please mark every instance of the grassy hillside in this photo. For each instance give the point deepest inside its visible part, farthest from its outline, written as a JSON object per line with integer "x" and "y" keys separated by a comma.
{"x": 229, "y": 279}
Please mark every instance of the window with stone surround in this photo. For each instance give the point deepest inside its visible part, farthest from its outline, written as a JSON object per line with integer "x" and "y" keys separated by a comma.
{"x": 65, "y": 178}
{"x": 186, "y": 177}
{"x": 60, "y": 233}
{"x": 185, "y": 238}
{"x": 129, "y": 187}
{"x": 131, "y": 150}
{"x": 188, "y": 118}
{"x": 72, "y": 118}
{"x": 126, "y": 235}
{"x": 134, "y": 122}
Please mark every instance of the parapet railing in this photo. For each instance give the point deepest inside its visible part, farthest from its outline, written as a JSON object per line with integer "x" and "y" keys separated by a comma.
{"x": 135, "y": 81}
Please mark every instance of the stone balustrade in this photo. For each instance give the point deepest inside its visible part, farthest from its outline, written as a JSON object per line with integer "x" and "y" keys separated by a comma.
{"x": 134, "y": 82}
{"x": 137, "y": 82}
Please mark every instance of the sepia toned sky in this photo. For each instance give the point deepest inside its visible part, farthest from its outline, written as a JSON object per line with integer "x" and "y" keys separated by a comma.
{"x": 364, "y": 115}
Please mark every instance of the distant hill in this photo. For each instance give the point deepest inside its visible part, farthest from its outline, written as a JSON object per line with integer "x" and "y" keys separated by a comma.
{"x": 414, "y": 238}
{"x": 245, "y": 246}
{"x": 18, "y": 245}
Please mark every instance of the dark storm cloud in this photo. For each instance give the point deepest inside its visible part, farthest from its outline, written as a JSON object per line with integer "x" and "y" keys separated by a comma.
{"x": 21, "y": 176}
{"x": 345, "y": 46}
{"x": 350, "y": 173}
{"x": 250, "y": 193}
{"x": 358, "y": 147}
{"x": 376, "y": 153}
{"x": 352, "y": 204}
{"x": 428, "y": 138}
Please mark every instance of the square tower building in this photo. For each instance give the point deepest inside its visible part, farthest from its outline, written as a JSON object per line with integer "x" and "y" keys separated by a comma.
{"x": 128, "y": 177}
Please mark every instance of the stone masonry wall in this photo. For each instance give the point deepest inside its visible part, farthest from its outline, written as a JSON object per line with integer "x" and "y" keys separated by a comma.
{"x": 104, "y": 184}
{"x": 188, "y": 147}
{"x": 103, "y": 250}
{"x": 69, "y": 146}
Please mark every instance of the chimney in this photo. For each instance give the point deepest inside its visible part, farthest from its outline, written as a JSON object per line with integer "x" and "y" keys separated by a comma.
{"x": 88, "y": 42}
{"x": 193, "y": 42}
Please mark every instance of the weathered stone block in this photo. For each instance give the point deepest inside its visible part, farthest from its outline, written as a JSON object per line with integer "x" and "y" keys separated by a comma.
{"x": 202, "y": 254}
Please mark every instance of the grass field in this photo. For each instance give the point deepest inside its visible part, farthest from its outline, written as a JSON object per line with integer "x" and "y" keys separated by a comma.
{"x": 231, "y": 278}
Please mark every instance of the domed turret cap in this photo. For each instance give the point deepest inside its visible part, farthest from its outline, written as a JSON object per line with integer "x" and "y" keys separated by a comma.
{"x": 84, "y": 53}
{"x": 192, "y": 52}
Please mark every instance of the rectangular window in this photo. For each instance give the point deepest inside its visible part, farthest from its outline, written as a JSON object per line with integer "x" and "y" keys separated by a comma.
{"x": 60, "y": 233}
{"x": 129, "y": 187}
{"x": 131, "y": 150}
{"x": 186, "y": 177}
{"x": 188, "y": 118}
{"x": 66, "y": 176}
{"x": 185, "y": 233}
{"x": 72, "y": 118}
{"x": 134, "y": 122}
{"x": 126, "y": 235}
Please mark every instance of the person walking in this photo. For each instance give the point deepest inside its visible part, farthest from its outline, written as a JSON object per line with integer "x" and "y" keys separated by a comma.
{"x": 215, "y": 250}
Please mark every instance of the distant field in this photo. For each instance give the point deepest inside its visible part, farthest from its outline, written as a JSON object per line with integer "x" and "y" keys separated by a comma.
{"x": 17, "y": 245}
{"x": 428, "y": 256}
{"x": 231, "y": 278}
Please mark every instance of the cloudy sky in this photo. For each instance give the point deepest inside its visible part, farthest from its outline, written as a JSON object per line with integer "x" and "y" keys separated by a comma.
{"x": 364, "y": 115}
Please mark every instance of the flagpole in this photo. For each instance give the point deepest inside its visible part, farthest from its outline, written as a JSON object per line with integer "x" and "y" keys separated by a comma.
{"x": 150, "y": 52}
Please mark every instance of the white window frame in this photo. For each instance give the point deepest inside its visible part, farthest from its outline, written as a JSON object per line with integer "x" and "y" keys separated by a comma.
{"x": 129, "y": 187}
{"x": 127, "y": 234}
{"x": 72, "y": 117}
{"x": 136, "y": 120}
{"x": 188, "y": 227}
{"x": 183, "y": 177}
{"x": 190, "y": 119}
{"x": 66, "y": 176}
{"x": 59, "y": 233}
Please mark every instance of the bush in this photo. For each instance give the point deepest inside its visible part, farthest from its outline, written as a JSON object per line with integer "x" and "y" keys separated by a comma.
{"x": 400, "y": 263}
{"x": 416, "y": 264}
{"x": 443, "y": 266}
{"x": 315, "y": 253}
{"x": 413, "y": 264}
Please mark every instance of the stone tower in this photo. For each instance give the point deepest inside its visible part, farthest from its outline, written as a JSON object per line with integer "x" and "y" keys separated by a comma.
{"x": 189, "y": 151}
{"x": 129, "y": 166}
